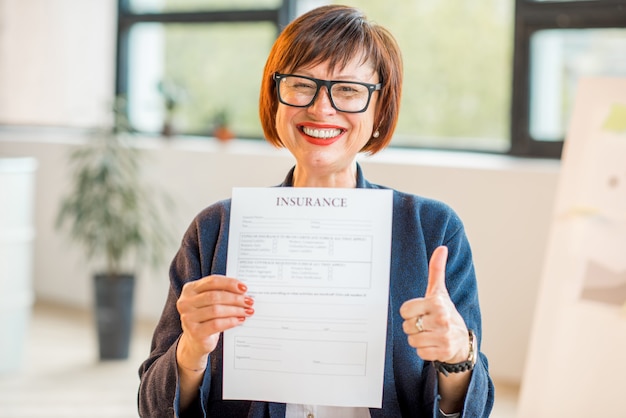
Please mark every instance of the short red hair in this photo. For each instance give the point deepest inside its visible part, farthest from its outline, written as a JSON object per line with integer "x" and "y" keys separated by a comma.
{"x": 335, "y": 35}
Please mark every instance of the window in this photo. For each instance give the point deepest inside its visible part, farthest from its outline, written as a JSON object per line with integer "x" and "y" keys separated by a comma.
{"x": 181, "y": 66}
{"x": 556, "y": 43}
{"x": 178, "y": 51}
{"x": 492, "y": 76}
{"x": 205, "y": 83}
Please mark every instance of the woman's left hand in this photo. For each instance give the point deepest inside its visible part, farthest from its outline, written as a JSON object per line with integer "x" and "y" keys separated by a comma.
{"x": 432, "y": 324}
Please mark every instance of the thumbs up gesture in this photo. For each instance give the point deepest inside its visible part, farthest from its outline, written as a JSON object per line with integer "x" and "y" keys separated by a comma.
{"x": 432, "y": 324}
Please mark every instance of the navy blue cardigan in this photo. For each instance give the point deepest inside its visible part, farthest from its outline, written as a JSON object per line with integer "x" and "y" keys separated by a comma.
{"x": 410, "y": 385}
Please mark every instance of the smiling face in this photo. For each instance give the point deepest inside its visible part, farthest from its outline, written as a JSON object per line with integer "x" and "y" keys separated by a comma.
{"x": 323, "y": 140}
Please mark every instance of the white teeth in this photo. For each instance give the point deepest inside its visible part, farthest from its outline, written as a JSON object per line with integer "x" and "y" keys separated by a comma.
{"x": 321, "y": 133}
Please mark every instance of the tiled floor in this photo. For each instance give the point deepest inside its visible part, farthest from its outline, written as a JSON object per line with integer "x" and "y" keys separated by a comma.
{"x": 61, "y": 377}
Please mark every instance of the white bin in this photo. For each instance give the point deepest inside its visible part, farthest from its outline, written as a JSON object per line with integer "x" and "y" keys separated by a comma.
{"x": 17, "y": 189}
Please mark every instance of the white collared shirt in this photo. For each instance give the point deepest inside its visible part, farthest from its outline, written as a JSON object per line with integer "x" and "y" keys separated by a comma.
{"x": 317, "y": 411}
{"x": 320, "y": 411}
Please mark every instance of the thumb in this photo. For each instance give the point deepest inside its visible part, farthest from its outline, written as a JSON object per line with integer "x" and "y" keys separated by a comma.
{"x": 437, "y": 272}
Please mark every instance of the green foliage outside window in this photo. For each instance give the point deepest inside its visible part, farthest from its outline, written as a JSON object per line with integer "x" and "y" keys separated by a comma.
{"x": 219, "y": 67}
{"x": 457, "y": 62}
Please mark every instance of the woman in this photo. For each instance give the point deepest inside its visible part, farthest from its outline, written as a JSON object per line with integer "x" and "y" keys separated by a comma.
{"x": 433, "y": 366}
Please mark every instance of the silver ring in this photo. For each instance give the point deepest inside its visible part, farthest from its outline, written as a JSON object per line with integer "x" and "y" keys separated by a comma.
{"x": 419, "y": 325}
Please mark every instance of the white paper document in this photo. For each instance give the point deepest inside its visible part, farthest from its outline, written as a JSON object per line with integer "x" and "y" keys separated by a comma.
{"x": 316, "y": 261}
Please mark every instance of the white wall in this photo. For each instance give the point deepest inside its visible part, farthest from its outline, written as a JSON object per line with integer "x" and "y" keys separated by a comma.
{"x": 49, "y": 51}
{"x": 505, "y": 203}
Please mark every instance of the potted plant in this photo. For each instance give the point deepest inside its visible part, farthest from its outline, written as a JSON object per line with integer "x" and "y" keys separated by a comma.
{"x": 113, "y": 215}
{"x": 221, "y": 126}
{"x": 172, "y": 95}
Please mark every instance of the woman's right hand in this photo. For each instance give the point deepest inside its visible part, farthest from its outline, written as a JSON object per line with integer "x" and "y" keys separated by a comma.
{"x": 207, "y": 307}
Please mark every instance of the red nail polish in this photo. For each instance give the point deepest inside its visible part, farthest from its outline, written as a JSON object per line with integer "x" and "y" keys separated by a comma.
{"x": 249, "y": 311}
{"x": 242, "y": 287}
{"x": 241, "y": 318}
{"x": 248, "y": 301}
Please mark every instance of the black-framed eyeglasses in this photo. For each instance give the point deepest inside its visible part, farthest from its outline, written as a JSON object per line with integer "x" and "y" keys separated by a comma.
{"x": 345, "y": 96}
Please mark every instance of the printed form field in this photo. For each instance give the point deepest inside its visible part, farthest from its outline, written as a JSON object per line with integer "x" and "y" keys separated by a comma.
{"x": 337, "y": 260}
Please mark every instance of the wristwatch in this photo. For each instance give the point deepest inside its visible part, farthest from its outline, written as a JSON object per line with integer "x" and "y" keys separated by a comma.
{"x": 463, "y": 366}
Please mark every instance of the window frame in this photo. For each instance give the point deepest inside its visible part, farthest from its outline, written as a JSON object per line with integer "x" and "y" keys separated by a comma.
{"x": 530, "y": 17}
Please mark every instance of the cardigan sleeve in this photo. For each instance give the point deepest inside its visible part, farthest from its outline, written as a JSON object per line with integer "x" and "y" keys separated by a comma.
{"x": 159, "y": 382}
{"x": 159, "y": 377}
{"x": 462, "y": 286}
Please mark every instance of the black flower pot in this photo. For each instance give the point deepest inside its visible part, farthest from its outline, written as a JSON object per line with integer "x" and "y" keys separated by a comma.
{"x": 114, "y": 314}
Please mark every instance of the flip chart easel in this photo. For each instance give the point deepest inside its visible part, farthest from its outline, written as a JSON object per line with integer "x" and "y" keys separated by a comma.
{"x": 576, "y": 360}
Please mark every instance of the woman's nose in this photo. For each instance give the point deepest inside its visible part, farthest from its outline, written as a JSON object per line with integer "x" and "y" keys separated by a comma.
{"x": 322, "y": 103}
